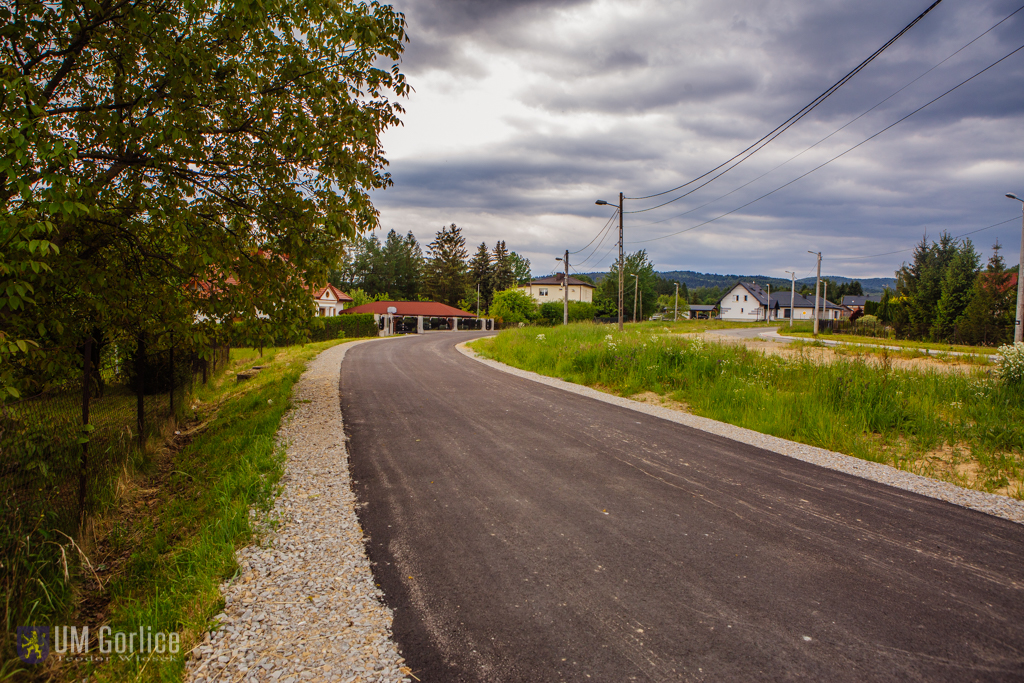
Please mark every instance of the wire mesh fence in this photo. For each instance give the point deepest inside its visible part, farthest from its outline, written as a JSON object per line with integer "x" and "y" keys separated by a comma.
{"x": 58, "y": 446}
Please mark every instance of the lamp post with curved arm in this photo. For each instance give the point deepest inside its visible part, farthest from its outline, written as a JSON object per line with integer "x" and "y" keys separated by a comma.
{"x": 601, "y": 202}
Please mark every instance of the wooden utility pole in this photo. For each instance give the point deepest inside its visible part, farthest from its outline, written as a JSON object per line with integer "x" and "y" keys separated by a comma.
{"x": 1018, "y": 323}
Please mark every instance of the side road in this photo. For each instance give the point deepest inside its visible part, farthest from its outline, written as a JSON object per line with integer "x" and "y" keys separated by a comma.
{"x": 304, "y": 605}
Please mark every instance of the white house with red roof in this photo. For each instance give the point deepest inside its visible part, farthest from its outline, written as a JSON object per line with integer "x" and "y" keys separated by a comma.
{"x": 330, "y": 301}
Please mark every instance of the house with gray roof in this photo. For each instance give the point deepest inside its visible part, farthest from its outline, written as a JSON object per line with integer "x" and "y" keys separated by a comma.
{"x": 749, "y": 302}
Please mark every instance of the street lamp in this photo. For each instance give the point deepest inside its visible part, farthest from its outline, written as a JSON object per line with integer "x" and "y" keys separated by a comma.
{"x": 1018, "y": 324}
{"x": 601, "y": 202}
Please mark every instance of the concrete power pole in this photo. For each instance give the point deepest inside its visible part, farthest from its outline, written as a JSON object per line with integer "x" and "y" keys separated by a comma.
{"x": 824, "y": 302}
{"x": 1018, "y": 325}
{"x": 675, "y": 318}
{"x": 565, "y": 285}
{"x": 621, "y": 262}
{"x": 792, "y": 295}
{"x": 817, "y": 291}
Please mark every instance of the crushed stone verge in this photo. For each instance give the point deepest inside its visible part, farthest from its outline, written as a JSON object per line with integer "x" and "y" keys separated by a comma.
{"x": 303, "y": 605}
{"x": 989, "y": 503}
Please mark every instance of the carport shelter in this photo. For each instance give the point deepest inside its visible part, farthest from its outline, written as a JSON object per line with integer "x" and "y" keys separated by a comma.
{"x": 427, "y": 315}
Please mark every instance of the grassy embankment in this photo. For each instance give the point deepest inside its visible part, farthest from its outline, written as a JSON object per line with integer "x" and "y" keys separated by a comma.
{"x": 167, "y": 542}
{"x": 968, "y": 429}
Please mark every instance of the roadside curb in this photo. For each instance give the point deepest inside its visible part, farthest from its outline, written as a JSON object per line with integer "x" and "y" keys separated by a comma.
{"x": 987, "y": 503}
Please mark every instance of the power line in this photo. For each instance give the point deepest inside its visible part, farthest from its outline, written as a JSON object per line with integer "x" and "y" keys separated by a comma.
{"x": 900, "y": 251}
{"x": 607, "y": 231}
{"x": 791, "y": 121}
{"x": 826, "y": 163}
{"x": 843, "y": 127}
{"x": 613, "y": 216}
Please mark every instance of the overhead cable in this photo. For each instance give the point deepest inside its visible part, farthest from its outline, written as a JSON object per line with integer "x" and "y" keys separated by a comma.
{"x": 841, "y": 128}
{"x": 788, "y": 123}
{"x": 826, "y": 163}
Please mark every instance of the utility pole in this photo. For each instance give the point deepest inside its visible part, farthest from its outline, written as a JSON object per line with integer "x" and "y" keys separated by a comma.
{"x": 675, "y": 318}
{"x": 565, "y": 284}
{"x": 817, "y": 291}
{"x": 768, "y": 308}
{"x": 1018, "y": 325}
{"x": 824, "y": 303}
{"x": 478, "y": 301}
{"x": 621, "y": 262}
{"x": 636, "y": 291}
{"x": 792, "y": 295}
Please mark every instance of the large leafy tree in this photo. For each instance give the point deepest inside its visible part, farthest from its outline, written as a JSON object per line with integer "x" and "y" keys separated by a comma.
{"x": 445, "y": 272}
{"x": 520, "y": 266}
{"x": 160, "y": 159}
{"x": 639, "y": 294}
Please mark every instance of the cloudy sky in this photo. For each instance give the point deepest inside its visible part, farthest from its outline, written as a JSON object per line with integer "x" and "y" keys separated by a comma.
{"x": 527, "y": 111}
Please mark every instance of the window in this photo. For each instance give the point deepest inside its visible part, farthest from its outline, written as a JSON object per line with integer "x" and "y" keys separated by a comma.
{"x": 737, "y": 297}
{"x": 744, "y": 297}
{"x": 543, "y": 291}
{"x": 787, "y": 313}
{"x": 741, "y": 310}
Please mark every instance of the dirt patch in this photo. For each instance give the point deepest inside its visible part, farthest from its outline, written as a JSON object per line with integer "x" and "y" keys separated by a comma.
{"x": 663, "y": 401}
{"x": 828, "y": 354}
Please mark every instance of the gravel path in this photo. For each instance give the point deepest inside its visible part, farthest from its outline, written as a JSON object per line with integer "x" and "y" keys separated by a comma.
{"x": 304, "y": 605}
{"x": 999, "y": 506}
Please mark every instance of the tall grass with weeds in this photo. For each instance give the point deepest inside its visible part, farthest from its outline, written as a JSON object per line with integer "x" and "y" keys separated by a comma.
{"x": 871, "y": 411}
{"x": 174, "y": 557}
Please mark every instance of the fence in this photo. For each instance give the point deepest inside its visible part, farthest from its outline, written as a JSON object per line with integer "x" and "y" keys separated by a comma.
{"x": 862, "y": 329}
{"x": 59, "y": 446}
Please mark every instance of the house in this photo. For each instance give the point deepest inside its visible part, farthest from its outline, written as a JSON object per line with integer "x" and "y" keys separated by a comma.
{"x": 330, "y": 301}
{"x": 748, "y": 302}
{"x": 857, "y": 303}
{"x": 547, "y": 289}
{"x": 402, "y": 317}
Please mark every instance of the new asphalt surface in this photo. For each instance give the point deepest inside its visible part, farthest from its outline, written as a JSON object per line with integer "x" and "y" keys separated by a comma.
{"x": 522, "y": 533}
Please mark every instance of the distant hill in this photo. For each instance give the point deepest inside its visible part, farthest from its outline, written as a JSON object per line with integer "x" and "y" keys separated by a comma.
{"x": 871, "y": 285}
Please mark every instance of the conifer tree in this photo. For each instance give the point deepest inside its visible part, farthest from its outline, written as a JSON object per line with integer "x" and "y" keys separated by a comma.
{"x": 446, "y": 274}
{"x": 482, "y": 275}
{"x": 957, "y": 290}
{"x": 503, "y": 275}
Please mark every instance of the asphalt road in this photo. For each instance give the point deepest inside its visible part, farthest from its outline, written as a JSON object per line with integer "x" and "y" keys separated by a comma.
{"x": 522, "y": 533}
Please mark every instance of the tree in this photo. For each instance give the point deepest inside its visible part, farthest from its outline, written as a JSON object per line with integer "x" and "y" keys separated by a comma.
{"x": 641, "y": 292}
{"x": 957, "y": 290}
{"x": 445, "y": 271}
{"x": 520, "y": 268}
{"x": 921, "y": 284}
{"x": 513, "y": 306}
{"x": 481, "y": 275}
{"x": 989, "y": 315}
{"x": 502, "y": 274}
{"x": 208, "y": 157}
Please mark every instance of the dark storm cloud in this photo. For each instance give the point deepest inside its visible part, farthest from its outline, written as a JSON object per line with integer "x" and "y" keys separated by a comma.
{"x": 662, "y": 96}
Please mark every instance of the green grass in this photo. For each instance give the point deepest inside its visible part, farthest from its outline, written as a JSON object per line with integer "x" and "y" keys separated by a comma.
{"x": 803, "y": 329}
{"x": 164, "y": 552}
{"x": 903, "y": 418}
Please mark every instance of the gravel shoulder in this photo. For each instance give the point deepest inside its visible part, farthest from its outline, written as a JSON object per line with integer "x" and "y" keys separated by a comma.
{"x": 303, "y": 604}
{"x": 998, "y": 506}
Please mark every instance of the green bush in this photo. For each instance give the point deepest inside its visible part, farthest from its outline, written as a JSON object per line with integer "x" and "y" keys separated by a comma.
{"x": 355, "y": 325}
{"x": 513, "y": 306}
{"x": 553, "y": 311}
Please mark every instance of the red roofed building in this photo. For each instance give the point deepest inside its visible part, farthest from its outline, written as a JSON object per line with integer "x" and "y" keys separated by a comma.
{"x": 330, "y": 301}
{"x": 397, "y": 320}
{"x": 428, "y": 309}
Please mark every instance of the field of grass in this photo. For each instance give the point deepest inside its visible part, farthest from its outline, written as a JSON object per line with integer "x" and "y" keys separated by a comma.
{"x": 168, "y": 540}
{"x": 805, "y": 330}
{"x": 968, "y": 429}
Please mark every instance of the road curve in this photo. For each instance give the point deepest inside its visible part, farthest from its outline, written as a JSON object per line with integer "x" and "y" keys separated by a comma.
{"x": 522, "y": 533}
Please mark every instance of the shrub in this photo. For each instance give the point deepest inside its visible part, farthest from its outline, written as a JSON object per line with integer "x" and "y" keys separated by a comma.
{"x": 513, "y": 306}
{"x": 1011, "y": 364}
{"x": 356, "y": 325}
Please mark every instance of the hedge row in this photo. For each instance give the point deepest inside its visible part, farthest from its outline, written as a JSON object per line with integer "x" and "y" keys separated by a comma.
{"x": 344, "y": 326}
